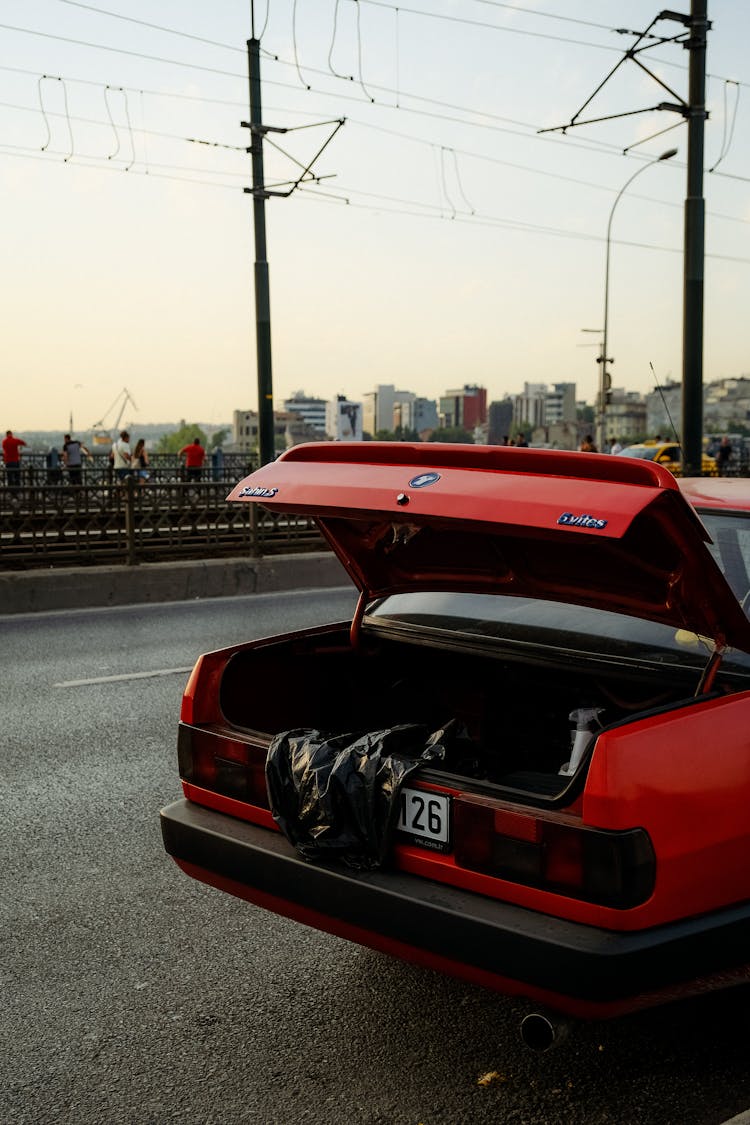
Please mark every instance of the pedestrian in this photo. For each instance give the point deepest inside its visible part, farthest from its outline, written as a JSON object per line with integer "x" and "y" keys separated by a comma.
{"x": 723, "y": 455}
{"x": 616, "y": 447}
{"x": 521, "y": 441}
{"x": 73, "y": 451}
{"x": 194, "y": 455}
{"x": 120, "y": 456}
{"x": 587, "y": 445}
{"x": 52, "y": 461}
{"x": 12, "y": 458}
{"x": 217, "y": 464}
{"x": 140, "y": 462}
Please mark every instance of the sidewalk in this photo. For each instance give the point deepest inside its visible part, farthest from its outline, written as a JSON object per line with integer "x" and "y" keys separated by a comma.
{"x": 34, "y": 591}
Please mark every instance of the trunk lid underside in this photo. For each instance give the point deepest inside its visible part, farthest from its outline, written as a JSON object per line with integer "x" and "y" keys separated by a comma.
{"x": 586, "y": 529}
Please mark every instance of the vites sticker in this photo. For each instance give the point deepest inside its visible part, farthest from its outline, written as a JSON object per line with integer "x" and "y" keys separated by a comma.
{"x": 582, "y": 521}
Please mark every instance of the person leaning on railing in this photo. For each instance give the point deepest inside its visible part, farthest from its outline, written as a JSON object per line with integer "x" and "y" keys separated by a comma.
{"x": 120, "y": 456}
{"x": 12, "y": 458}
{"x": 140, "y": 462}
{"x": 194, "y": 455}
{"x": 73, "y": 453}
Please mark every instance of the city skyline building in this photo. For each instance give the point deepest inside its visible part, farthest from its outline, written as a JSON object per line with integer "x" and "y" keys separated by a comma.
{"x": 310, "y": 410}
{"x": 344, "y": 419}
{"x": 464, "y": 407}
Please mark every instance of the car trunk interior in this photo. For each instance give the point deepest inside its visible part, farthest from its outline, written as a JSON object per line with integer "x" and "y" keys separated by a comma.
{"x": 517, "y": 715}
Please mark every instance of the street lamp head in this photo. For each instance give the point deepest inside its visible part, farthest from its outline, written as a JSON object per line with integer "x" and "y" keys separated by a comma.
{"x": 669, "y": 154}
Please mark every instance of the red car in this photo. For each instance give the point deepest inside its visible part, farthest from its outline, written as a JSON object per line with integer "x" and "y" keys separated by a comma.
{"x": 526, "y": 760}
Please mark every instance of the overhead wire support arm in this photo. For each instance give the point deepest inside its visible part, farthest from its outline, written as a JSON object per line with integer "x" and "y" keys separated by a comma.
{"x": 632, "y": 53}
{"x": 607, "y": 117}
{"x": 271, "y": 191}
{"x": 257, "y": 130}
{"x": 651, "y": 137}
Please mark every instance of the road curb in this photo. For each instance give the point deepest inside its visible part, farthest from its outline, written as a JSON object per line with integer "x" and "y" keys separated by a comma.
{"x": 36, "y": 591}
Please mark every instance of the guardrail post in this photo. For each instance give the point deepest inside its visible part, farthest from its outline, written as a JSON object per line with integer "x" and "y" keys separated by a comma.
{"x": 130, "y": 486}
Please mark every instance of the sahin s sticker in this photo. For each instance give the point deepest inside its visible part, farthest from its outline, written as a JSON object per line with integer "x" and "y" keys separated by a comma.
{"x": 266, "y": 493}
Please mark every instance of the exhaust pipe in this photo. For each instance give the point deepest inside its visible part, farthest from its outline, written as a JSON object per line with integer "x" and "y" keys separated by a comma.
{"x": 540, "y": 1032}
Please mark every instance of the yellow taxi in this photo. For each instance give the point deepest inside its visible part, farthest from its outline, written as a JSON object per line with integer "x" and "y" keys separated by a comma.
{"x": 668, "y": 454}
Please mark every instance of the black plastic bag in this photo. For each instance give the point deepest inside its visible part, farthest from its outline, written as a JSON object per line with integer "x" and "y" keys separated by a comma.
{"x": 337, "y": 794}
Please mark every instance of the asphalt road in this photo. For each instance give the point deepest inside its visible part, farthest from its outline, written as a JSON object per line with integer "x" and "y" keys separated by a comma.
{"x": 132, "y": 994}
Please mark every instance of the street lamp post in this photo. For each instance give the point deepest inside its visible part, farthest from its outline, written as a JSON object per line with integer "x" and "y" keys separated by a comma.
{"x": 605, "y": 379}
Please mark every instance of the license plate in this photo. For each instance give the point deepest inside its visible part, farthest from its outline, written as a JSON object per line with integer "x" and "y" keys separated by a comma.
{"x": 424, "y": 818}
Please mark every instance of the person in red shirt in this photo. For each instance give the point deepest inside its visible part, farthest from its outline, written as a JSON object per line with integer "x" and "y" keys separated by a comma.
{"x": 194, "y": 455}
{"x": 12, "y": 458}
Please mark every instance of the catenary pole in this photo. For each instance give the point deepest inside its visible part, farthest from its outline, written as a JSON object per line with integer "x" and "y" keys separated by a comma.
{"x": 266, "y": 445}
{"x": 692, "y": 324}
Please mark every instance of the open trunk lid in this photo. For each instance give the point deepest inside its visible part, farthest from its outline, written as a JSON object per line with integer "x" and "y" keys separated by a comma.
{"x": 611, "y": 533}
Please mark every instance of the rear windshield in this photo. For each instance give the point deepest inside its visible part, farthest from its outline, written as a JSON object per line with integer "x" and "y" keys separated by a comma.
{"x": 559, "y": 627}
{"x": 731, "y": 549}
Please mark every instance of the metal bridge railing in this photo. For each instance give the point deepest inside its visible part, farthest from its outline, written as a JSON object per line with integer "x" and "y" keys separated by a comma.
{"x": 59, "y": 525}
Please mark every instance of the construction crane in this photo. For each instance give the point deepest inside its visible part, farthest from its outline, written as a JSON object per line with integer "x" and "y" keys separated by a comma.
{"x": 100, "y": 436}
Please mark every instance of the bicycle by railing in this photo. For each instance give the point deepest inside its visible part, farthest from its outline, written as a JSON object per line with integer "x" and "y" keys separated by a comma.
{"x": 126, "y": 522}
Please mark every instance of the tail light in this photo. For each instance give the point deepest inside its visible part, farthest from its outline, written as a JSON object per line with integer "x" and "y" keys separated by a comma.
{"x": 217, "y": 760}
{"x": 200, "y": 698}
{"x": 614, "y": 869}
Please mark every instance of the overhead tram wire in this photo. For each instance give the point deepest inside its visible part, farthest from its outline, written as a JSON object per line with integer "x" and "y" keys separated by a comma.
{"x": 591, "y": 146}
{"x": 545, "y": 15}
{"x": 361, "y": 124}
{"x": 535, "y": 171}
{"x": 152, "y": 26}
{"x": 491, "y": 3}
{"x": 268, "y": 54}
{"x": 470, "y": 154}
{"x": 496, "y": 222}
{"x": 400, "y": 8}
{"x": 106, "y": 124}
{"x": 98, "y": 164}
{"x": 121, "y": 51}
{"x": 102, "y": 164}
{"x": 377, "y": 4}
{"x": 485, "y": 26}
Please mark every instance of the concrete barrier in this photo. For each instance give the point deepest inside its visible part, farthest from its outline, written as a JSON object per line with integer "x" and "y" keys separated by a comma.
{"x": 35, "y": 591}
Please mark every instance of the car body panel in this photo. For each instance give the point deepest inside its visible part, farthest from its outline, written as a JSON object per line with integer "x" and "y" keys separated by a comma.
{"x": 716, "y": 493}
{"x": 684, "y": 776}
{"x": 580, "y": 969}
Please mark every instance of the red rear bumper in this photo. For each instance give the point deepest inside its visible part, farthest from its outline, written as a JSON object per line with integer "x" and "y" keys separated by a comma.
{"x": 581, "y": 970}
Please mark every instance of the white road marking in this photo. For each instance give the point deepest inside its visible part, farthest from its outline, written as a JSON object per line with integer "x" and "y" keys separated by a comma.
{"x": 124, "y": 676}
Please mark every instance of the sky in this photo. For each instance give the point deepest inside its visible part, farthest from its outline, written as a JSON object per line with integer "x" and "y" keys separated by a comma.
{"x": 446, "y": 240}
